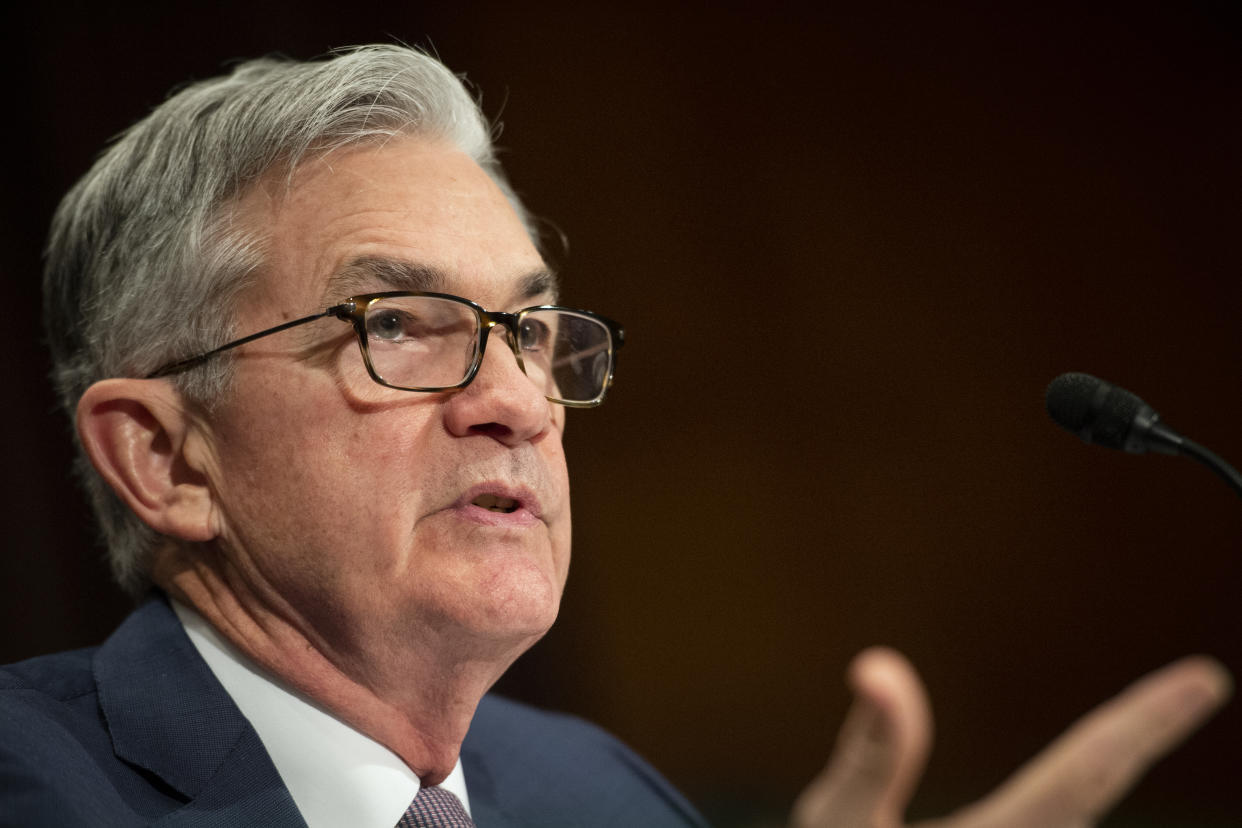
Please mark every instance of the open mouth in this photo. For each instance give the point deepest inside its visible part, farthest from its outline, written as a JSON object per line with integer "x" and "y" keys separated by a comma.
{"x": 494, "y": 503}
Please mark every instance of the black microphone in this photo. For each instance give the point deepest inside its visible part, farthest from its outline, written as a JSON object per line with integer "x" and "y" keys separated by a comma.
{"x": 1108, "y": 416}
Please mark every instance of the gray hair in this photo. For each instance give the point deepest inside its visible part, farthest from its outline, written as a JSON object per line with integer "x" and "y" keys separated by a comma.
{"x": 144, "y": 262}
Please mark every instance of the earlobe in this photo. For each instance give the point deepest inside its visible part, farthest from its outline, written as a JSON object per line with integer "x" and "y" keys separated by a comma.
{"x": 135, "y": 433}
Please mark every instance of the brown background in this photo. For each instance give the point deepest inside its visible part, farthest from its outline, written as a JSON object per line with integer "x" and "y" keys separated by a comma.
{"x": 851, "y": 248}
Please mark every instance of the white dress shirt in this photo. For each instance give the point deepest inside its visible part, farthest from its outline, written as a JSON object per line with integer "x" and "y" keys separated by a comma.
{"x": 336, "y": 775}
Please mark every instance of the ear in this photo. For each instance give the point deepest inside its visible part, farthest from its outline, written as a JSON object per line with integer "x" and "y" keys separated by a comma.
{"x": 144, "y": 442}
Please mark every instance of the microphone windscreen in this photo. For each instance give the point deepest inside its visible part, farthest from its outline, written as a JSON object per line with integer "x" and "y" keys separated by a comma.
{"x": 1069, "y": 400}
{"x": 1096, "y": 411}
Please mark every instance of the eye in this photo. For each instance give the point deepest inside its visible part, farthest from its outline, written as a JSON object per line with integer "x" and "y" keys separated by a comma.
{"x": 391, "y": 325}
{"x": 535, "y": 334}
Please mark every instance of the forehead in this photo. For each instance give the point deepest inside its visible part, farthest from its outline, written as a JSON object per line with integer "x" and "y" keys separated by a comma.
{"x": 408, "y": 214}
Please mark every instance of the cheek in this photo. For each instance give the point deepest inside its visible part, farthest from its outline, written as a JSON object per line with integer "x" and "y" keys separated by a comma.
{"x": 320, "y": 491}
{"x": 561, "y": 529}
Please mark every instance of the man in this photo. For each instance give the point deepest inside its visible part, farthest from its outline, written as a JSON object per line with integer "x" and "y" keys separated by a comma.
{"x": 320, "y": 375}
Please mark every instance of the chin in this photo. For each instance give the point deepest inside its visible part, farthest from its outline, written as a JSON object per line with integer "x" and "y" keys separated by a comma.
{"x": 521, "y": 611}
{"x": 509, "y": 607}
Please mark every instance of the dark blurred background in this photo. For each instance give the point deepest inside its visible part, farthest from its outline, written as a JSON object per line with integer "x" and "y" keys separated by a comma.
{"x": 851, "y": 247}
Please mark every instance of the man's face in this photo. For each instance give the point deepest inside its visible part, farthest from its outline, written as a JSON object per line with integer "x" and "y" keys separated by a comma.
{"x": 361, "y": 512}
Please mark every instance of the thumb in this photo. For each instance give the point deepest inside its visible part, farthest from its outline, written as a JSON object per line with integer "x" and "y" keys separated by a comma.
{"x": 880, "y": 751}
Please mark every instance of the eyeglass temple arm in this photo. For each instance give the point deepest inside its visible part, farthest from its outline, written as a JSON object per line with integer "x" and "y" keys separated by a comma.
{"x": 340, "y": 311}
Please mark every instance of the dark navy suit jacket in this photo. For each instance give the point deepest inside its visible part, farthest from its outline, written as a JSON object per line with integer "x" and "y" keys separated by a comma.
{"x": 140, "y": 732}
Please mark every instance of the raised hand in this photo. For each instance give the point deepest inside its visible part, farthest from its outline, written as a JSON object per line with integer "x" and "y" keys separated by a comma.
{"x": 884, "y": 742}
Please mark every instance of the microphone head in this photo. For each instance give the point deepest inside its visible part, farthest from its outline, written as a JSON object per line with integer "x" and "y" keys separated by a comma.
{"x": 1096, "y": 411}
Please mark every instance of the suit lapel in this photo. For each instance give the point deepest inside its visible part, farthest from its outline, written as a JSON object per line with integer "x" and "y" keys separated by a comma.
{"x": 167, "y": 713}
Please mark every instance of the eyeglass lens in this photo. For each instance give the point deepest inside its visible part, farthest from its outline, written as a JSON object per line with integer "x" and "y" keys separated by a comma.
{"x": 422, "y": 342}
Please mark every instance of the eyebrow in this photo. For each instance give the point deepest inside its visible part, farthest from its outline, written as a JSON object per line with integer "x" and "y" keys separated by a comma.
{"x": 365, "y": 273}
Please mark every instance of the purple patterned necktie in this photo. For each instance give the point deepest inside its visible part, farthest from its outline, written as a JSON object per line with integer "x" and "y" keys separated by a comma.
{"x": 435, "y": 807}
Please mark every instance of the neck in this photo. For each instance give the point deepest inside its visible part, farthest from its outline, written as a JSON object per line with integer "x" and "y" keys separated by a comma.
{"x": 417, "y": 701}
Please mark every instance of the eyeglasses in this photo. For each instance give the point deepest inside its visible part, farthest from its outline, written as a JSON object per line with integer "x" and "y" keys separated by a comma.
{"x": 419, "y": 341}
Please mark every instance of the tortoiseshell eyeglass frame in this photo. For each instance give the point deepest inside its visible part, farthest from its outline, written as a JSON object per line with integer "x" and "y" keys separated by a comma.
{"x": 354, "y": 310}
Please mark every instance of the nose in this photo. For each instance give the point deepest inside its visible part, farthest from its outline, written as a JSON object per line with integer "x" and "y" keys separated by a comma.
{"x": 501, "y": 402}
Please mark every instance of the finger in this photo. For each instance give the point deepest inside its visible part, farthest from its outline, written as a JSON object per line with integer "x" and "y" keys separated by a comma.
{"x": 1085, "y": 771}
{"x": 880, "y": 751}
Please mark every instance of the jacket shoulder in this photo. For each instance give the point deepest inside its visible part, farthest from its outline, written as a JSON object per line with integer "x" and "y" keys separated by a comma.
{"x": 48, "y": 696}
{"x": 59, "y": 676}
{"x": 57, "y": 765}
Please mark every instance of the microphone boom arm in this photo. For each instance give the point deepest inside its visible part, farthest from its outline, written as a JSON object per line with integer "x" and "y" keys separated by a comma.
{"x": 1213, "y": 461}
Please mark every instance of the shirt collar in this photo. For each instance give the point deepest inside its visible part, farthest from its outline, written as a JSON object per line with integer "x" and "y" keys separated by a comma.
{"x": 336, "y": 775}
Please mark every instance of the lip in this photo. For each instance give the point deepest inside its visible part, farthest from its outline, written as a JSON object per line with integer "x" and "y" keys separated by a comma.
{"x": 528, "y": 512}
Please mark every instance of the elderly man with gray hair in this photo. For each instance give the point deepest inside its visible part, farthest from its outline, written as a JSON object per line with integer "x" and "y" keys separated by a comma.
{"x": 270, "y": 305}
